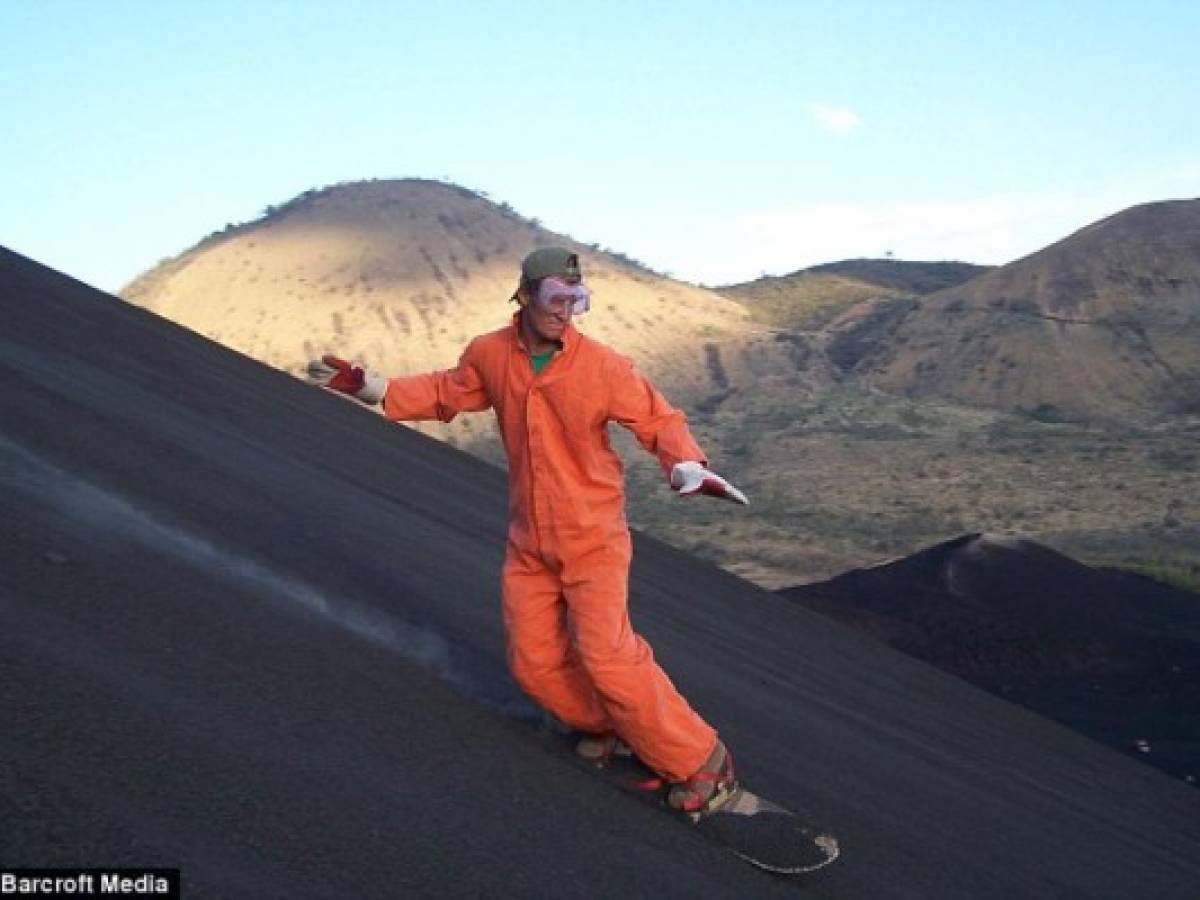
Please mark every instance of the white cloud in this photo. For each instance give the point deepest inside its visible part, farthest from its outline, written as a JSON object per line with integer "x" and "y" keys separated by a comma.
{"x": 834, "y": 119}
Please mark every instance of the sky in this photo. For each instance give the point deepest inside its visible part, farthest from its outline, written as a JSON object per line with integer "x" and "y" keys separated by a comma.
{"x": 715, "y": 141}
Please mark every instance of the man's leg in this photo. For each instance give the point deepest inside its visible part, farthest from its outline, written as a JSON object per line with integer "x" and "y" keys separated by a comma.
{"x": 540, "y": 653}
{"x": 648, "y": 712}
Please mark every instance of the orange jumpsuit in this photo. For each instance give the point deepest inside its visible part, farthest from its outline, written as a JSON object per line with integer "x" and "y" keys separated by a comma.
{"x": 566, "y": 571}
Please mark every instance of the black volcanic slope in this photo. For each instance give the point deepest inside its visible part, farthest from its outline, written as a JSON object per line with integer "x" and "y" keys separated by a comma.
{"x": 1115, "y": 655}
{"x": 252, "y": 631}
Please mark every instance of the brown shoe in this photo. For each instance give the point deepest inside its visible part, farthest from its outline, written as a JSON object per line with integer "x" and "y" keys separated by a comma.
{"x": 707, "y": 788}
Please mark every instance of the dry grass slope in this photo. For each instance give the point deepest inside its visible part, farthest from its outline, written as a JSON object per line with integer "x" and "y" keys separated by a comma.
{"x": 1102, "y": 326}
{"x": 401, "y": 274}
{"x": 811, "y": 299}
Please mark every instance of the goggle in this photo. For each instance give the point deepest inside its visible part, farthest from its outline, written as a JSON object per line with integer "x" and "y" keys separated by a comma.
{"x": 556, "y": 295}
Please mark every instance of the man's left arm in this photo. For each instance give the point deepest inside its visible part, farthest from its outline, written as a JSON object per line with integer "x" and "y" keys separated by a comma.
{"x": 662, "y": 430}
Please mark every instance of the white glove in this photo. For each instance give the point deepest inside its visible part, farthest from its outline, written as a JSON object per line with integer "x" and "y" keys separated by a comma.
{"x": 693, "y": 478}
{"x": 347, "y": 378}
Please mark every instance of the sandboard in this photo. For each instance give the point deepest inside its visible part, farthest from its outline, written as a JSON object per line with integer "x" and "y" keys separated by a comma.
{"x": 758, "y": 831}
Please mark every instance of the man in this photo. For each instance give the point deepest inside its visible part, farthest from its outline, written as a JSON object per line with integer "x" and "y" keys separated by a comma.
{"x": 566, "y": 571}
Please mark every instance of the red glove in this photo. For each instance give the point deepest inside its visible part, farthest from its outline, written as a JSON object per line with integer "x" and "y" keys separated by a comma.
{"x": 347, "y": 378}
{"x": 693, "y": 478}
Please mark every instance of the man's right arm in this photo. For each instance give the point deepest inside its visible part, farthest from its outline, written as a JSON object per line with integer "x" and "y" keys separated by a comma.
{"x": 431, "y": 395}
{"x": 438, "y": 395}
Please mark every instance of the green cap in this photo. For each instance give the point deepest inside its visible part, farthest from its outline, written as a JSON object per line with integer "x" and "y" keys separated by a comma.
{"x": 547, "y": 261}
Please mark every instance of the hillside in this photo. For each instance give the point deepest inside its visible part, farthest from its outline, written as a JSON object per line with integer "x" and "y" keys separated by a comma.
{"x": 281, "y": 669}
{"x": 1103, "y": 325}
{"x": 810, "y": 299}
{"x": 402, "y": 274}
{"x": 1114, "y": 655}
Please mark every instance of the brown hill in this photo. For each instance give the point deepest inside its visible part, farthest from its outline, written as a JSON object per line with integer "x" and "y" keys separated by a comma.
{"x": 1114, "y": 655}
{"x": 810, "y": 299}
{"x": 1102, "y": 325}
{"x": 401, "y": 274}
